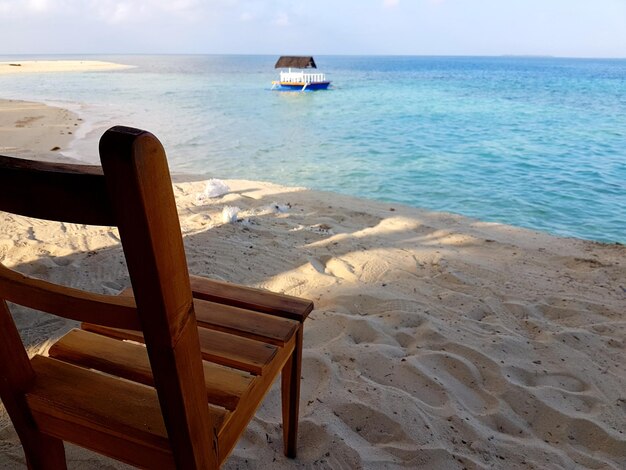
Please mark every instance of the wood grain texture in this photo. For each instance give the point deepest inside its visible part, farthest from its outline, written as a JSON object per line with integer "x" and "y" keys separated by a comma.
{"x": 16, "y": 378}
{"x": 140, "y": 189}
{"x": 224, "y": 386}
{"x": 74, "y": 304}
{"x": 221, "y": 348}
{"x": 54, "y": 191}
{"x": 249, "y": 403}
{"x": 118, "y": 418}
{"x": 245, "y": 323}
{"x": 250, "y": 298}
{"x": 239, "y": 321}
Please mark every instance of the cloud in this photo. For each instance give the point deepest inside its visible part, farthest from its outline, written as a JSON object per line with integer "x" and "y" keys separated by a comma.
{"x": 139, "y": 11}
{"x": 110, "y": 10}
{"x": 38, "y": 6}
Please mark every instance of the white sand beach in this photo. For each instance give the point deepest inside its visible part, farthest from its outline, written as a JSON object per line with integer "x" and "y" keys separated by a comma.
{"x": 28, "y": 128}
{"x": 40, "y": 66}
{"x": 437, "y": 341}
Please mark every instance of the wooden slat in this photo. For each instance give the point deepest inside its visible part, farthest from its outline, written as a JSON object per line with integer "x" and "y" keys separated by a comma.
{"x": 239, "y": 419}
{"x": 243, "y": 322}
{"x": 224, "y": 386}
{"x": 75, "y": 304}
{"x": 134, "y": 453}
{"x": 54, "y": 191}
{"x": 234, "y": 351}
{"x": 221, "y": 348}
{"x": 281, "y": 305}
{"x": 116, "y": 417}
{"x": 239, "y": 321}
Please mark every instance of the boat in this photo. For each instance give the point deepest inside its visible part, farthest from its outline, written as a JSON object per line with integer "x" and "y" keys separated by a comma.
{"x": 297, "y": 77}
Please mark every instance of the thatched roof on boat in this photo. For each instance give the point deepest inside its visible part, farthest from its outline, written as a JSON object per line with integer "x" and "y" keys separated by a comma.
{"x": 296, "y": 62}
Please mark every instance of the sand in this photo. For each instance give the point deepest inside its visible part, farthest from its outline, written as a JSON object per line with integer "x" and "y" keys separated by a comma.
{"x": 437, "y": 342}
{"x": 35, "y": 129}
{"x": 45, "y": 66}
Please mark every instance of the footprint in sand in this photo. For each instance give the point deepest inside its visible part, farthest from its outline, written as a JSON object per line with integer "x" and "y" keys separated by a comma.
{"x": 407, "y": 379}
{"x": 551, "y": 419}
{"x": 460, "y": 378}
{"x": 374, "y": 271}
{"x": 425, "y": 335}
{"x": 364, "y": 331}
{"x": 563, "y": 392}
{"x": 26, "y": 121}
{"x": 372, "y": 425}
{"x": 335, "y": 267}
{"x": 566, "y": 382}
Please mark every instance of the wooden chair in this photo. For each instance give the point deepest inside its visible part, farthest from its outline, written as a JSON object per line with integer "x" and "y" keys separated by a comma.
{"x": 212, "y": 349}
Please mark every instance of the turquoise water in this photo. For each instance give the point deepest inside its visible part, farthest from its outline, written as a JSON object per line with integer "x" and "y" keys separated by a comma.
{"x": 533, "y": 142}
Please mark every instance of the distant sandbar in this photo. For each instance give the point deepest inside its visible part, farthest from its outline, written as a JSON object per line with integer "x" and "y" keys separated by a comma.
{"x": 42, "y": 66}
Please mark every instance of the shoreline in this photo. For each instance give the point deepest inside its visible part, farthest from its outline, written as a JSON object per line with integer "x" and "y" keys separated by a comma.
{"x": 437, "y": 341}
{"x": 37, "y": 130}
{"x": 515, "y": 188}
{"x": 46, "y": 66}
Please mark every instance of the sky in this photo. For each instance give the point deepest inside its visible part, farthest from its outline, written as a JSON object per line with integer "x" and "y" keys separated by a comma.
{"x": 566, "y": 28}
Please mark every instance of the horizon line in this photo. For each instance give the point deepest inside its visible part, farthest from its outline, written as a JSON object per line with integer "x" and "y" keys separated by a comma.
{"x": 521, "y": 56}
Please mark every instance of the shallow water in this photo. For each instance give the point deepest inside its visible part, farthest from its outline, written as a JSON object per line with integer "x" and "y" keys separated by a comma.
{"x": 533, "y": 142}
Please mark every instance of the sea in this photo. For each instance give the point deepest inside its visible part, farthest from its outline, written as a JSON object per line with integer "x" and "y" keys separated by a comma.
{"x": 535, "y": 142}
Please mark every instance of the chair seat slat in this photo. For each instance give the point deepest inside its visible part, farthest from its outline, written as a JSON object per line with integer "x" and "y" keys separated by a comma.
{"x": 239, "y": 321}
{"x": 118, "y": 418}
{"x": 243, "y": 322}
{"x": 259, "y": 300}
{"x": 221, "y": 348}
{"x": 224, "y": 386}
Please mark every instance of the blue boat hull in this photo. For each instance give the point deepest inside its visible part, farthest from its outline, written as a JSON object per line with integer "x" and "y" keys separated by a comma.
{"x": 300, "y": 86}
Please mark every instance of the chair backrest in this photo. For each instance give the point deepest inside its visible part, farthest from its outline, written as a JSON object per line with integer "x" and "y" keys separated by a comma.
{"x": 133, "y": 191}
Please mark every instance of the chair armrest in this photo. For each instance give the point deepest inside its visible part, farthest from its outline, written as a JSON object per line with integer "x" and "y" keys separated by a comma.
{"x": 280, "y": 305}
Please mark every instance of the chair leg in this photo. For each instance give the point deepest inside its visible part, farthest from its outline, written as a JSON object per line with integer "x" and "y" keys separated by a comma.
{"x": 41, "y": 451}
{"x": 290, "y": 391}
{"x": 44, "y": 453}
